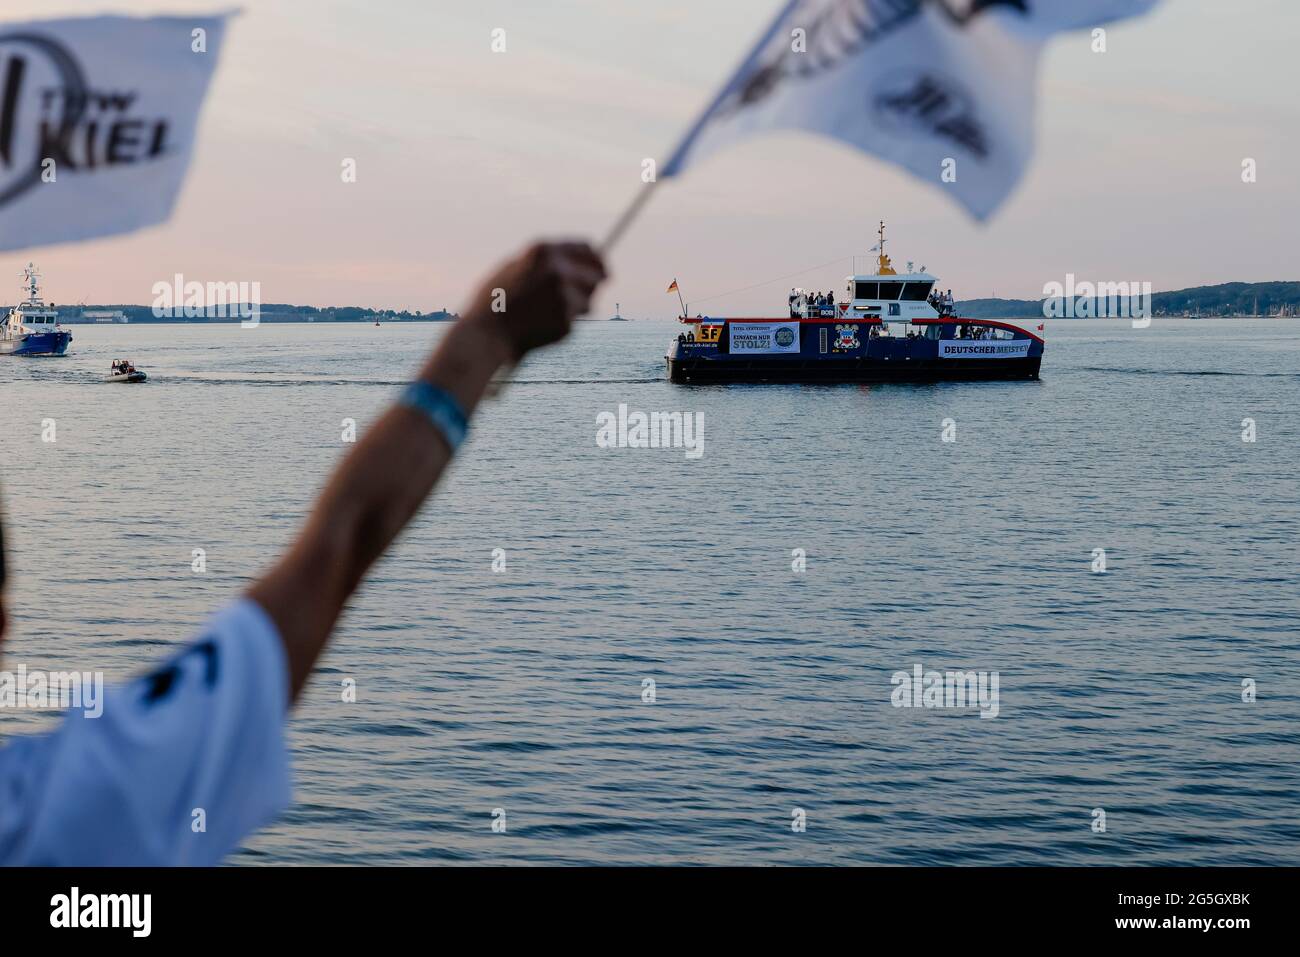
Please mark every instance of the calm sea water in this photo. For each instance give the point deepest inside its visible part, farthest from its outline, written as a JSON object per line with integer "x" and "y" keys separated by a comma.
{"x": 523, "y": 689}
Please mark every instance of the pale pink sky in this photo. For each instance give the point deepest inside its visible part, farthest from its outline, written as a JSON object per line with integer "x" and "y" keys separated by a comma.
{"x": 464, "y": 154}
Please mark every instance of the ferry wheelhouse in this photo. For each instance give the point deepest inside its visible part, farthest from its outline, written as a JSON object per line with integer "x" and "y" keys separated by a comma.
{"x": 32, "y": 329}
{"x": 888, "y": 327}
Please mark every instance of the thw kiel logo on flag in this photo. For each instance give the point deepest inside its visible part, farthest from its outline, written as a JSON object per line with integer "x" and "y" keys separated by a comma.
{"x": 97, "y": 121}
{"x": 26, "y": 62}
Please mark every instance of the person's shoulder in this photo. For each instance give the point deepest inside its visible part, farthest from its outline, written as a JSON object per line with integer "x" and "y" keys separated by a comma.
{"x": 243, "y": 615}
{"x": 245, "y": 630}
{"x": 237, "y": 651}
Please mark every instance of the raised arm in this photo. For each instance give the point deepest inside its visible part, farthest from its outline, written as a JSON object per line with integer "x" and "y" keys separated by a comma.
{"x": 382, "y": 482}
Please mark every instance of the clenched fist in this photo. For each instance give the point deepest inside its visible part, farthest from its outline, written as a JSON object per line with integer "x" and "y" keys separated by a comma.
{"x": 532, "y": 300}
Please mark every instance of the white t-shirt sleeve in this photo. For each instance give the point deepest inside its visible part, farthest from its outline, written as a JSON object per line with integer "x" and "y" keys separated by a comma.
{"x": 180, "y": 768}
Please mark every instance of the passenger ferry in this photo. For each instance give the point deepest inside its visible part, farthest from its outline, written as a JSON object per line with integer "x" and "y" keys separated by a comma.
{"x": 889, "y": 327}
{"x": 32, "y": 329}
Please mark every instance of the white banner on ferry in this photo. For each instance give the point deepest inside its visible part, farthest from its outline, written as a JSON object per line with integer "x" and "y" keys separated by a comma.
{"x": 763, "y": 337}
{"x": 97, "y": 122}
{"x": 984, "y": 348}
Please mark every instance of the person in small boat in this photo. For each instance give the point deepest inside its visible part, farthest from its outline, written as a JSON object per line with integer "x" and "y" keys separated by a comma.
{"x": 206, "y": 728}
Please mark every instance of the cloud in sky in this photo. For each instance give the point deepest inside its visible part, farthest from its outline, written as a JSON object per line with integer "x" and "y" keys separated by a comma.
{"x": 464, "y": 154}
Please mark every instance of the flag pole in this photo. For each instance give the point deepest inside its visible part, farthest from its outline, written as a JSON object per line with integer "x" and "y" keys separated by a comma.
{"x": 673, "y": 165}
{"x": 627, "y": 217}
{"x": 616, "y": 232}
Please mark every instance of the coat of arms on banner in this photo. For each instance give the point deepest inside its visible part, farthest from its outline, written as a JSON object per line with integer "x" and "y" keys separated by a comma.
{"x": 846, "y": 336}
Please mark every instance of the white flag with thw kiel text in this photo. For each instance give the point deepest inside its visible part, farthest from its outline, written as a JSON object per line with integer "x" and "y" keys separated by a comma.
{"x": 935, "y": 86}
{"x": 97, "y": 122}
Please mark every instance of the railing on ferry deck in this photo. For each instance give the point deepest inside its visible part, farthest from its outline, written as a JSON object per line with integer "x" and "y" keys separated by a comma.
{"x": 822, "y": 312}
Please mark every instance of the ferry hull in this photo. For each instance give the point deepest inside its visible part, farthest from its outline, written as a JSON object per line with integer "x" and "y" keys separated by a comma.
{"x": 37, "y": 344}
{"x": 689, "y": 371}
{"x": 780, "y": 350}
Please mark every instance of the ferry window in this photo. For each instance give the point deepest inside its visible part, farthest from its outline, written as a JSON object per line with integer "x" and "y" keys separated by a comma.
{"x": 917, "y": 291}
{"x": 890, "y": 290}
{"x": 868, "y": 290}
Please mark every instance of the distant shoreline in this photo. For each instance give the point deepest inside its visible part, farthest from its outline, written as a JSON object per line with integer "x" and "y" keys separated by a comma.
{"x": 118, "y": 314}
{"x": 235, "y": 320}
{"x": 1008, "y": 317}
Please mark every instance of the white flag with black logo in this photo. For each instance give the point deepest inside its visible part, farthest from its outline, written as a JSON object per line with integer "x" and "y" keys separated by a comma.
{"x": 943, "y": 88}
{"x": 97, "y": 122}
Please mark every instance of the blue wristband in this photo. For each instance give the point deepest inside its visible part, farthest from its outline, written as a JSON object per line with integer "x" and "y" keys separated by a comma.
{"x": 440, "y": 407}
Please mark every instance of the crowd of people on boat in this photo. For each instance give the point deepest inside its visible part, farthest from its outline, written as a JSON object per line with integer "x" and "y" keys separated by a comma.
{"x": 943, "y": 303}
{"x": 814, "y": 300}
{"x": 122, "y": 367}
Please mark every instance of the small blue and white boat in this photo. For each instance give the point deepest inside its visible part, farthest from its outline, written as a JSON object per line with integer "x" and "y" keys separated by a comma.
{"x": 32, "y": 329}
